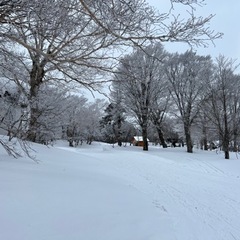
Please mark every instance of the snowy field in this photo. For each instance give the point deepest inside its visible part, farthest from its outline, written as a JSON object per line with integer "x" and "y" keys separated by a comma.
{"x": 103, "y": 193}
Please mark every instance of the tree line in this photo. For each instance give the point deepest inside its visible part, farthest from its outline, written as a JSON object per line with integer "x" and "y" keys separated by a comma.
{"x": 48, "y": 48}
{"x": 200, "y": 94}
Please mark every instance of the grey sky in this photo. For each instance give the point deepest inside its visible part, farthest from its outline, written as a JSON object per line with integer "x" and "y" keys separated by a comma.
{"x": 226, "y": 20}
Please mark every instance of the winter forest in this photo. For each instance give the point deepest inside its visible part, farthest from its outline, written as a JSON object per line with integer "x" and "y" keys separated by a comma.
{"x": 107, "y": 135}
{"x": 51, "y": 50}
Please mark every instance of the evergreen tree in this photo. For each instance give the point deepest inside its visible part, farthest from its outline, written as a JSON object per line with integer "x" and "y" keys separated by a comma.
{"x": 111, "y": 123}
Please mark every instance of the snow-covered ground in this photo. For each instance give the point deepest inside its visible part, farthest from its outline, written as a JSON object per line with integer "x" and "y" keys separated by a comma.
{"x": 103, "y": 193}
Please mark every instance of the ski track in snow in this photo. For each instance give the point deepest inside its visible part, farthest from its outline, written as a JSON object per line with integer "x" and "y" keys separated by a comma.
{"x": 174, "y": 195}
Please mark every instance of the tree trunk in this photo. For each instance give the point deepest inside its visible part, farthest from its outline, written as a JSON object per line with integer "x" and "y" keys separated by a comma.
{"x": 204, "y": 144}
{"x": 157, "y": 119}
{"x": 70, "y": 141}
{"x": 119, "y": 143}
{"x": 161, "y": 138}
{"x": 119, "y": 132}
{"x": 204, "y": 139}
{"x": 188, "y": 139}
{"x": 235, "y": 145}
{"x": 36, "y": 79}
{"x": 226, "y": 149}
{"x": 226, "y": 140}
{"x": 226, "y": 145}
{"x": 33, "y": 125}
{"x": 226, "y": 154}
{"x": 145, "y": 141}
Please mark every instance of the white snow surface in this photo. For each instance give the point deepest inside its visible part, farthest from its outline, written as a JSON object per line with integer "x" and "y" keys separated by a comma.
{"x": 99, "y": 192}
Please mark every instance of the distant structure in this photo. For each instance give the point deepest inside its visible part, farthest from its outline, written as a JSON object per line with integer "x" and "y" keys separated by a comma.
{"x": 138, "y": 141}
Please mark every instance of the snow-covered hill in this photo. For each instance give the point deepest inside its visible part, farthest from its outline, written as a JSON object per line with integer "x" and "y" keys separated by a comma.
{"x": 103, "y": 193}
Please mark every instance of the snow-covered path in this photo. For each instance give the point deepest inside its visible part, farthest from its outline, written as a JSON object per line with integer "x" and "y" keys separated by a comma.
{"x": 100, "y": 192}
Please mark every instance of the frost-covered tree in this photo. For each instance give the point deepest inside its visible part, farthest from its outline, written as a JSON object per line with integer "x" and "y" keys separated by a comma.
{"x": 112, "y": 123}
{"x": 74, "y": 120}
{"x": 157, "y": 117}
{"x": 128, "y": 131}
{"x": 160, "y": 102}
{"x": 207, "y": 132}
{"x": 13, "y": 112}
{"x": 8, "y": 10}
{"x": 13, "y": 120}
{"x": 235, "y": 112}
{"x": 72, "y": 40}
{"x": 224, "y": 102}
{"x": 94, "y": 113}
{"x": 52, "y": 105}
{"x": 81, "y": 120}
{"x": 188, "y": 75}
{"x": 139, "y": 81}
{"x": 80, "y": 40}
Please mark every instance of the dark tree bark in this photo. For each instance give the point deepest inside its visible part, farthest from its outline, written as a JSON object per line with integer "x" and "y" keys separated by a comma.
{"x": 145, "y": 137}
{"x": 36, "y": 79}
{"x": 226, "y": 137}
{"x": 161, "y": 138}
{"x": 235, "y": 144}
{"x": 119, "y": 131}
{"x": 204, "y": 139}
{"x": 157, "y": 117}
{"x": 188, "y": 139}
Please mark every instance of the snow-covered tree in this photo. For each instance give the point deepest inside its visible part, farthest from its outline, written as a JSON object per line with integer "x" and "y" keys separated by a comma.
{"x": 160, "y": 102}
{"x": 80, "y": 121}
{"x": 112, "y": 123}
{"x": 224, "y": 103}
{"x": 94, "y": 113}
{"x": 13, "y": 112}
{"x": 72, "y": 40}
{"x": 235, "y": 112}
{"x": 52, "y": 105}
{"x": 188, "y": 75}
{"x": 140, "y": 82}
{"x": 80, "y": 41}
{"x": 73, "y": 123}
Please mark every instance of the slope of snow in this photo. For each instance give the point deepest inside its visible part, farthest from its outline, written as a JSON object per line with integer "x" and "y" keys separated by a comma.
{"x": 101, "y": 192}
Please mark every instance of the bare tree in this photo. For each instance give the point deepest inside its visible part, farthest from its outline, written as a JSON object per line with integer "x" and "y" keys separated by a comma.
{"x": 207, "y": 132}
{"x": 188, "y": 74}
{"x": 93, "y": 115}
{"x": 150, "y": 25}
{"x": 224, "y": 102}
{"x": 138, "y": 79}
{"x": 72, "y": 40}
{"x": 235, "y": 112}
{"x": 160, "y": 101}
{"x": 52, "y": 104}
{"x": 8, "y": 10}
{"x": 13, "y": 113}
{"x": 53, "y": 35}
{"x": 74, "y": 120}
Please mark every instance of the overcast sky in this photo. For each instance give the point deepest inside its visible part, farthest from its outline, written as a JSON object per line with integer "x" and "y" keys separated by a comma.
{"x": 226, "y": 20}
